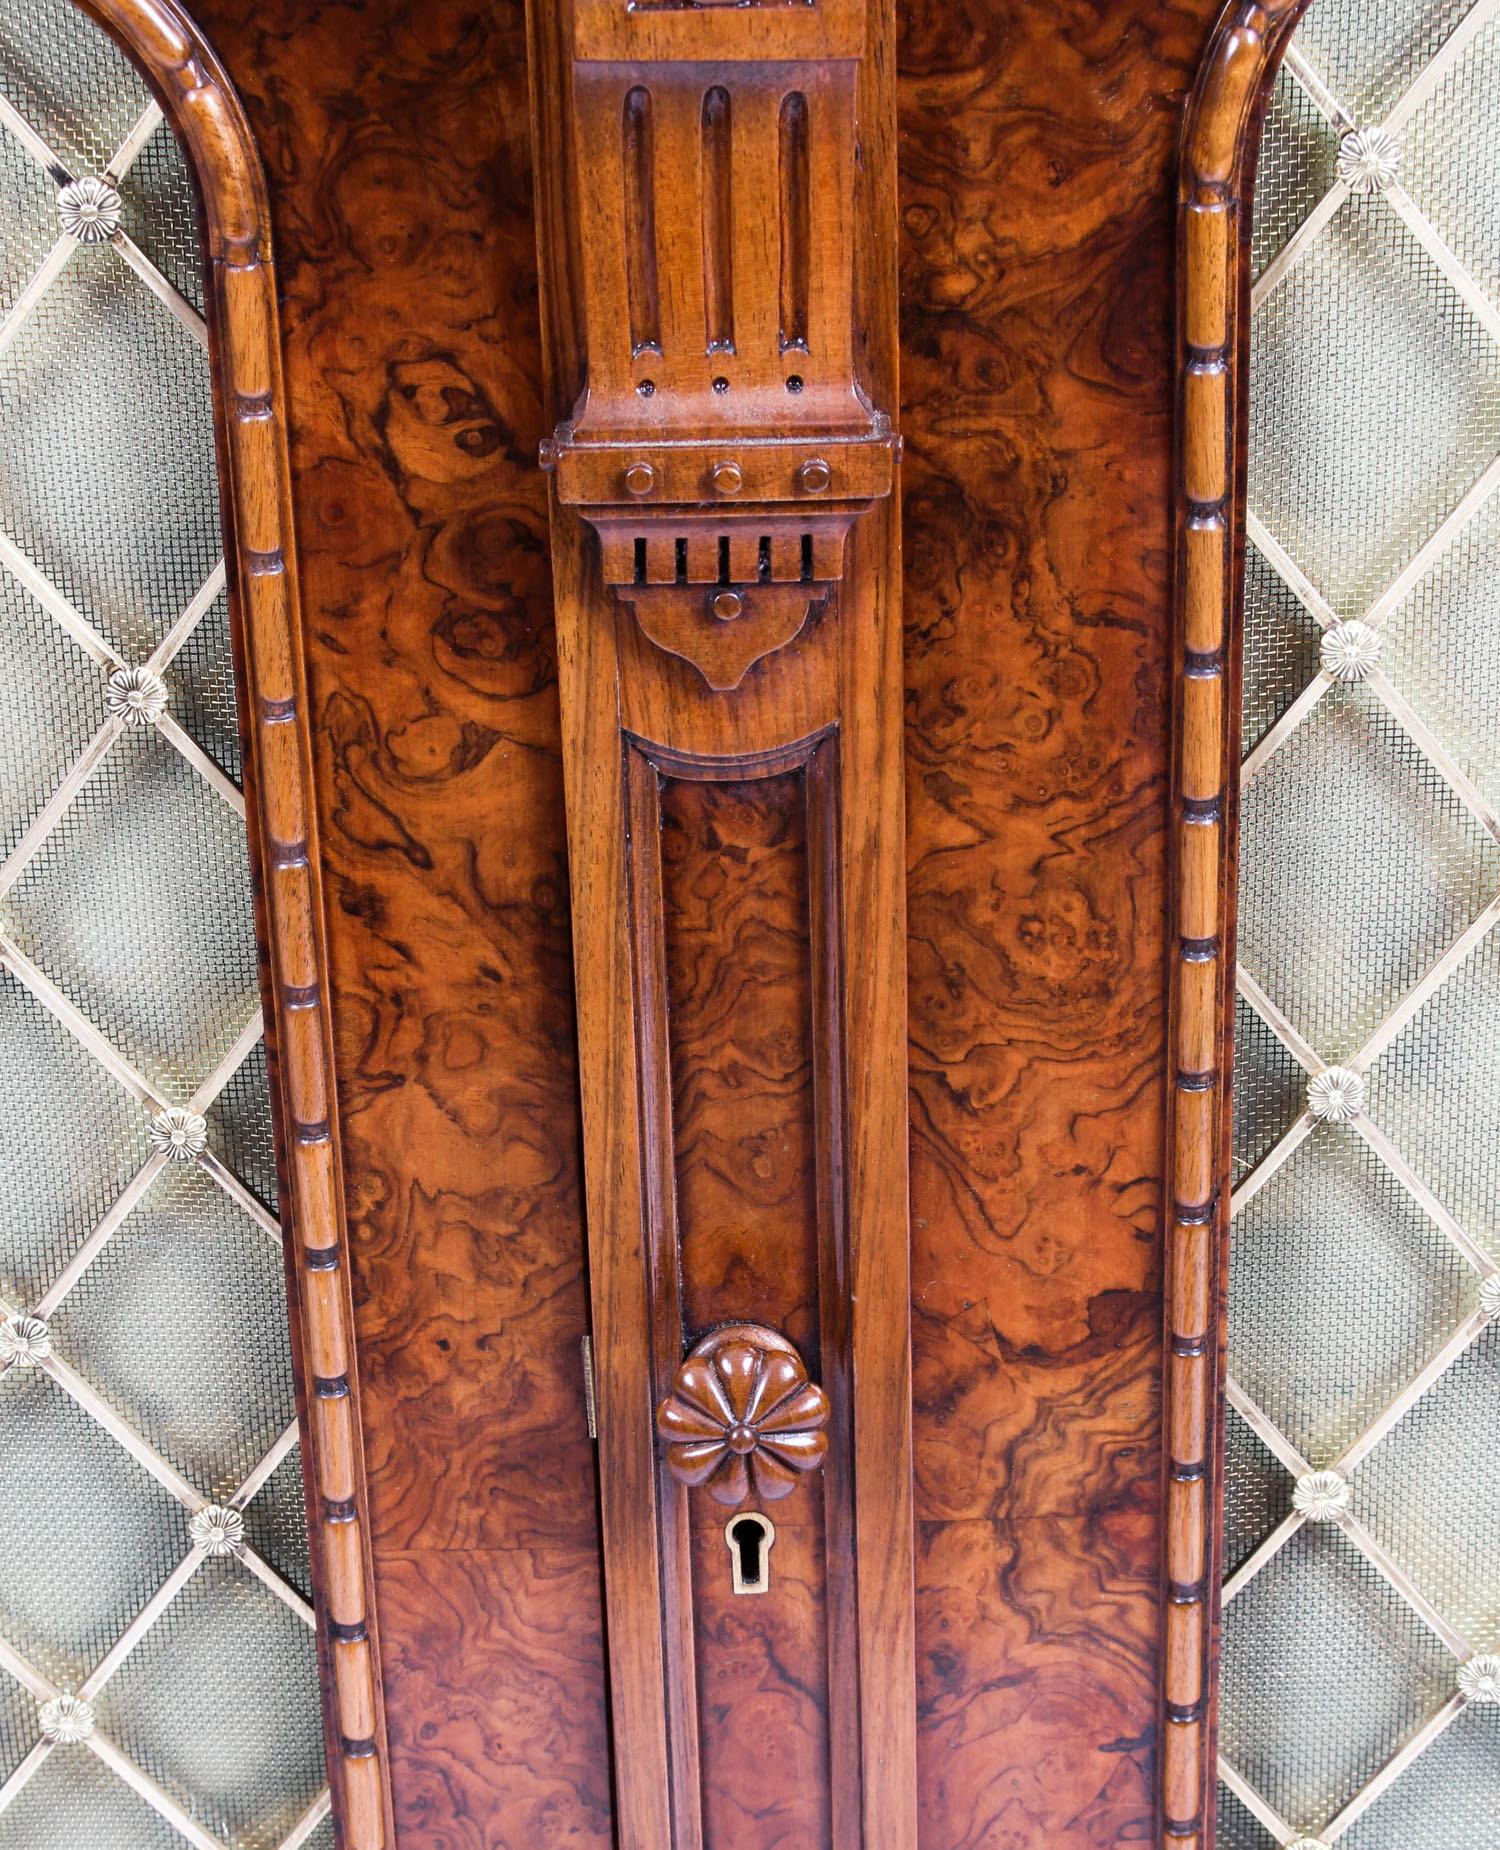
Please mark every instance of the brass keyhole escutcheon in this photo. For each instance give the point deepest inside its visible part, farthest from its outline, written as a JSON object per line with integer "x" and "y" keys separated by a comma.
{"x": 750, "y": 1539}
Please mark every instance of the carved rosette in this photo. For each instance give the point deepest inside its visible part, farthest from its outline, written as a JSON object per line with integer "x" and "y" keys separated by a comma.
{"x": 89, "y": 210}
{"x": 743, "y": 1416}
{"x": 1336, "y": 1095}
{"x": 1368, "y": 160}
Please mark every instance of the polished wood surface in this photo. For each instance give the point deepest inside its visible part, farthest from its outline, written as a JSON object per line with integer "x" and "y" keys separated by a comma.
{"x": 741, "y": 973}
{"x": 394, "y": 139}
{"x": 1062, "y": 1683}
{"x": 1038, "y": 176}
{"x": 721, "y": 311}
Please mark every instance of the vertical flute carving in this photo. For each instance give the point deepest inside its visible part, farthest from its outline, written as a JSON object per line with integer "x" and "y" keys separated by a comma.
{"x": 639, "y": 223}
{"x": 796, "y": 221}
{"x": 726, "y": 562}
{"x": 718, "y": 220}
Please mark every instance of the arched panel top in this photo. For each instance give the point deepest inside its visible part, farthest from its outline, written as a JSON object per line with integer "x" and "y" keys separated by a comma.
{"x": 1229, "y": 98}
{"x": 199, "y": 101}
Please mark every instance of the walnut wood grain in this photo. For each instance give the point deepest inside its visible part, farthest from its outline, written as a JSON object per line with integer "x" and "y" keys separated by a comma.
{"x": 738, "y": 958}
{"x": 1038, "y": 175}
{"x": 740, "y": 974}
{"x": 1065, "y": 1687}
{"x": 1216, "y": 180}
{"x": 726, "y": 568}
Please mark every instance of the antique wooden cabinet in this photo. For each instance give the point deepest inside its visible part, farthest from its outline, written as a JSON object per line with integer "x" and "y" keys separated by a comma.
{"x": 734, "y": 519}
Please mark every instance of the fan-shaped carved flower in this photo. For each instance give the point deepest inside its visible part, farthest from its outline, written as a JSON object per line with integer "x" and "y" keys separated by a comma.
{"x": 1320, "y": 1496}
{"x": 743, "y": 1416}
{"x": 89, "y": 210}
{"x": 1489, "y": 1295}
{"x": 1336, "y": 1095}
{"x": 1349, "y": 651}
{"x": 1307, "y": 1843}
{"x": 26, "y": 1340}
{"x": 1368, "y": 159}
{"x": 179, "y": 1133}
{"x": 1479, "y": 1678}
{"x": 218, "y": 1531}
{"x": 66, "y": 1719}
{"x": 135, "y": 695}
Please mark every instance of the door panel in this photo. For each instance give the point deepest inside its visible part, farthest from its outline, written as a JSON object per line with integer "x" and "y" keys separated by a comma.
{"x": 1038, "y": 170}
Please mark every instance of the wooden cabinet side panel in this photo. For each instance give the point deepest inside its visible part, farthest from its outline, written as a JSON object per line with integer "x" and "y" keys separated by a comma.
{"x": 396, "y": 143}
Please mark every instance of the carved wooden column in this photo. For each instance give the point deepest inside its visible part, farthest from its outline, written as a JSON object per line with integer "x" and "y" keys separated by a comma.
{"x": 720, "y": 298}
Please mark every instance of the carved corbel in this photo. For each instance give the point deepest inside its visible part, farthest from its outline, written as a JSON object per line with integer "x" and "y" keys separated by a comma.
{"x": 723, "y": 445}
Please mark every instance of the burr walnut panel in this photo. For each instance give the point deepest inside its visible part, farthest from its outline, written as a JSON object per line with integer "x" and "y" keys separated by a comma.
{"x": 740, "y": 993}
{"x": 396, "y": 155}
{"x": 737, "y": 945}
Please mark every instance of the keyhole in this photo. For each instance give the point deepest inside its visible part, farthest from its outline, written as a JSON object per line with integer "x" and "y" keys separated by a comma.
{"x": 750, "y": 1539}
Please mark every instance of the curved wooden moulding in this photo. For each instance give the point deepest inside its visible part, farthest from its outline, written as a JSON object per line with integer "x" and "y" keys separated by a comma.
{"x": 255, "y": 498}
{"x": 1220, "y": 143}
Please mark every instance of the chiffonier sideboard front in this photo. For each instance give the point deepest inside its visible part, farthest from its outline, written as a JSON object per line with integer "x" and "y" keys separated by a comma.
{"x": 705, "y": 508}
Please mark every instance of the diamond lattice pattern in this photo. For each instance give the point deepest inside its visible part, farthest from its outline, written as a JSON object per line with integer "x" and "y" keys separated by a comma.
{"x": 158, "y": 1678}
{"x": 1361, "y": 1679}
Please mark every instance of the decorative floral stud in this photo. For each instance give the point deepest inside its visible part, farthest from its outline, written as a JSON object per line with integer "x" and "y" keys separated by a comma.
{"x": 89, "y": 210}
{"x": 135, "y": 695}
{"x": 743, "y": 1416}
{"x": 1336, "y": 1095}
{"x": 1368, "y": 159}
{"x": 1349, "y": 651}
{"x": 1479, "y": 1678}
{"x": 66, "y": 1719}
{"x": 1320, "y": 1496}
{"x": 1489, "y": 1295}
{"x": 179, "y": 1133}
{"x": 25, "y": 1340}
{"x": 218, "y": 1531}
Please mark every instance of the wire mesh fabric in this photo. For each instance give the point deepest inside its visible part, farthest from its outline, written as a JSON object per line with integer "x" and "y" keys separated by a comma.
{"x": 158, "y": 1679}
{"x": 1361, "y": 1660}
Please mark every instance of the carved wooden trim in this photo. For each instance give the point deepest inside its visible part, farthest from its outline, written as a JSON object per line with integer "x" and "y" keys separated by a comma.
{"x": 255, "y": 498}
{"x": 1220, "y": 144}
